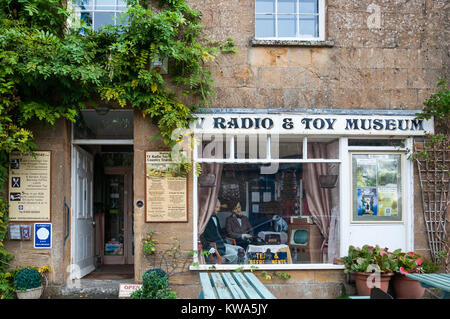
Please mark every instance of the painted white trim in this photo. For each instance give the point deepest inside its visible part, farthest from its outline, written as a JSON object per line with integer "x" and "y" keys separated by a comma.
{"x": 102, "y": 142}
{"x": 267, "y": 267}
{"x": 195, "y": 205}
{"x": 409, "y": 190}
{"x": 344, "y": 203}
{"x": 265, "y": 161}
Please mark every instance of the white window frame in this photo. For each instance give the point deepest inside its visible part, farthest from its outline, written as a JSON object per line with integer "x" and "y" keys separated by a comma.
{"x": 232, "y": 160}
{"x": 321, "y": 22}
{"x": 78, "y": 11}
{"x": 346, "y": 184}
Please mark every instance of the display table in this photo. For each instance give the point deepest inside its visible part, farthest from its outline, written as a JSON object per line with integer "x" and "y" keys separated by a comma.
{"x": 269, "y": 254}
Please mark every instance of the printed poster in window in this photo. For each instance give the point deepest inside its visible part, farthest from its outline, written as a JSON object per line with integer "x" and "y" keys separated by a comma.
{"x": 366, "y": 172}
{"x": 166, "y": 189}
{"x": 376, "y": 187}
{"x": 367, "y": 201}
{"x": 388, "y": 201}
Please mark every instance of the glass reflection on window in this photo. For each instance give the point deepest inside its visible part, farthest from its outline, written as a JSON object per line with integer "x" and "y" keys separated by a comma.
{"x": 268, "y": 218}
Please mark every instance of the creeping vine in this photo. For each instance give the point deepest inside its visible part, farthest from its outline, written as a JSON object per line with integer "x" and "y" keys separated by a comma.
{"x": 53, "y": 65}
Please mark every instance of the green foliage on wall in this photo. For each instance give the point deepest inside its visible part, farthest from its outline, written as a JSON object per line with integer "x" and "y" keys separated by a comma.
{"x": 50, "y": 70}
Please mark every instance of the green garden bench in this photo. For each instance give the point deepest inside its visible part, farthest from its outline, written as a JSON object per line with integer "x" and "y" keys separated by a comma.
{"x": 235, "y": 285}
{"x": 441, "y": 281}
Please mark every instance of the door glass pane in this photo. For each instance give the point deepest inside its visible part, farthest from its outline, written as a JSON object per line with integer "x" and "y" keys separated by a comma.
{"x": 286, "y": 26}
{"x": 265, "y": 26}
{"x": 376, "y": 187}
{"x": 309, "y": 6}
{"x": 265, "y": 6}
{"x": 309, "y": 26}
{"x": 114, "y": 216}
{"x": 287, "y": 6}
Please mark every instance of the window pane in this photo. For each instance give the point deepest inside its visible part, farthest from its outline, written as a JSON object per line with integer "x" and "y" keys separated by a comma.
{"x": 376, "y": 142}
{"x": 309, "y": 6}
{"x": 105, "y": 4}
{"x": 309, "y": 26}
{"x": 286, "y": 147}
{"x": 287, "y": 6}
{"x": 265, "y": 26}
{"x": 376, "y": 187}
{"x": 121, "y": 4}
{"x": 287, "y": 25}
{"x": 113, "y": 125}
{"x": 84, "y": 4}
{"x": 103, "y": 18}
{"x": 265, "y": 6}
{"x": 87, "y": 17}
{"x": 323, "y": 148}
{"x": 268, "y": 214}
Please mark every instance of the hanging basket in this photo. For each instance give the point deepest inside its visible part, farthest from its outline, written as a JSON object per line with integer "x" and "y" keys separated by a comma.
{"x": 207, "y": 180}
{"x": 328, "y": 181}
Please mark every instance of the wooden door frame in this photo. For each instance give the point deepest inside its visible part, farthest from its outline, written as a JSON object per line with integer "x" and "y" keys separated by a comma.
{"x": 127, "y": 257}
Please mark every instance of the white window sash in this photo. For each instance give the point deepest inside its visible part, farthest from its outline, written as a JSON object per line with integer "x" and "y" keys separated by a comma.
{"x": 321, "y": 23}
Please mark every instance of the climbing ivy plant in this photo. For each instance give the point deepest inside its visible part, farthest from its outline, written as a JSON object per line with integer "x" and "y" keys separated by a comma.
{"x": 52, "y": 66}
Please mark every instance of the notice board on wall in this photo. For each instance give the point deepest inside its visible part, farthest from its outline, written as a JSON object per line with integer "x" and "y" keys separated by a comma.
{"x": 166, "y": 189}
{"x": 30, "y": 186}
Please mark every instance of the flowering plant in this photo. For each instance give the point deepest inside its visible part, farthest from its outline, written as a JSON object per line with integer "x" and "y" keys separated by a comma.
{"x": 409, "y": 262}
{"x": 370, "y": 259}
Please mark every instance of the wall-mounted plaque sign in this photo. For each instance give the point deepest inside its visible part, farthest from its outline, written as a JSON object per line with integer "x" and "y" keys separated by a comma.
{"x": 29, "y": 186}
{"x": 166, "y": 189}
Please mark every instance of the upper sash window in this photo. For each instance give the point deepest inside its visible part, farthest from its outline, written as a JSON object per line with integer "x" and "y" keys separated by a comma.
{"x": 289, "y": 19}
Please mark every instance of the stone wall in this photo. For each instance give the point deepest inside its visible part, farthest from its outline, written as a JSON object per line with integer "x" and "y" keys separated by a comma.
{"x": 395, "y": 66}
{"x": 57, "y": 140}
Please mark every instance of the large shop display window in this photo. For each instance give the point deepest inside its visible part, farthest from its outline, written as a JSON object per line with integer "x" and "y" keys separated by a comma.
{"x": 280, "y": 206}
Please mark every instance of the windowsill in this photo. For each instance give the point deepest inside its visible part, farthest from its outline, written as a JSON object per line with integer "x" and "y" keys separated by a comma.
{"x": 293, "y": 43}
{"x": 268, "y": 267}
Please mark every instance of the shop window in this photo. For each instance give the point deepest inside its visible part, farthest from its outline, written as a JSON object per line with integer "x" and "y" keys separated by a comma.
{"x": 285, "y": 217}
{"x": 289, "y": 19}
{"x": 98, "y": 13}
{"x": 377, "y": 188}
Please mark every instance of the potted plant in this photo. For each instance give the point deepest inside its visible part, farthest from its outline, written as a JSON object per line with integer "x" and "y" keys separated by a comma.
{"x": 371, "y": 266}
{"x": 405, "y": 287}
{"x": 28, "y": 283}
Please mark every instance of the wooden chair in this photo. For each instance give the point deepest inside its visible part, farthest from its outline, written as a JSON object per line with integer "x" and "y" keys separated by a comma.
{"x": 213, "y": 244}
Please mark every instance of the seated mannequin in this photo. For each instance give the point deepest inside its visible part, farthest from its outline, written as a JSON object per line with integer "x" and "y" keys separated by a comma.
{"x": 213, "y": 233}
{"x": 238, "y": 227}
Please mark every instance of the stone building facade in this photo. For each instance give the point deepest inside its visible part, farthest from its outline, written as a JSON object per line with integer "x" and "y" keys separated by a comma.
{"x": 376, "y": 57}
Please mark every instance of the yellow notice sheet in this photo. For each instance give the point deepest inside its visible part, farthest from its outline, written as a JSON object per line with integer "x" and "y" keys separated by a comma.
{"x": 166, "y": 189}
{"x": 29, "y": 186}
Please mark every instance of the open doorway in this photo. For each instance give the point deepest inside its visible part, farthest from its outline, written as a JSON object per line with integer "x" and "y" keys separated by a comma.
{"x": 104, "y": 181}
{"x": 102, "y": 236}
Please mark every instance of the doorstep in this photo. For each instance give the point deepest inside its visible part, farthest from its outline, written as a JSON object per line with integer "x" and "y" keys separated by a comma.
{"x": 93, "y": 289}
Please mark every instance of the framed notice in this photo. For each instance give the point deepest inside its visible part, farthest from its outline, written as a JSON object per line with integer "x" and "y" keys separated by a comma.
{"x": 29, "y": 186}
{"x": 166, "y": 189}
{"x": 376, "y": 188}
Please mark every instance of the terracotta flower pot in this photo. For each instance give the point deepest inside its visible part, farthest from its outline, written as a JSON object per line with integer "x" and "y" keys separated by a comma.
{"x": 407, "y": 288}
{"x": 364, "y": 283}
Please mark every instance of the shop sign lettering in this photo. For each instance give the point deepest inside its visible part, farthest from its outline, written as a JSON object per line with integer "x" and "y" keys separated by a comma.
{"x": 313, "y": 124}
